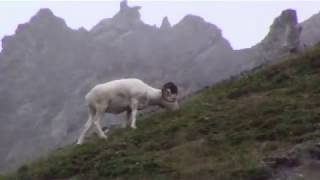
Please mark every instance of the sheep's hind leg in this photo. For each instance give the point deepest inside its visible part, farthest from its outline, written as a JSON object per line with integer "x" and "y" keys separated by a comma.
{"x": 86, "y": 126}
{"x": 128, "y": 118}
{"x": 97, "y": 121}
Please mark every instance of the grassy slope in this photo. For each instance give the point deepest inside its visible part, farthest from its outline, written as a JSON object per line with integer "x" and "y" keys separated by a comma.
{"x": 222, "y": 133}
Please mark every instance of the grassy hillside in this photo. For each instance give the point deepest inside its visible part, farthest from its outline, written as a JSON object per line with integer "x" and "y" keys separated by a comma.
{"x": 225, "y": 132}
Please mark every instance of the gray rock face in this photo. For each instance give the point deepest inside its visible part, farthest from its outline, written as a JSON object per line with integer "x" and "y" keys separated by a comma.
{"x": 36, "y": 65}
{"x": 47, "y": 68}
{"x": 284, "y": 32}
{"x": 310, "y": 31}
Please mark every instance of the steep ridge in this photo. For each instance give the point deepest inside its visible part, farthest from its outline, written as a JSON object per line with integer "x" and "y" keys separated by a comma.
{"x": 263, "y": 125}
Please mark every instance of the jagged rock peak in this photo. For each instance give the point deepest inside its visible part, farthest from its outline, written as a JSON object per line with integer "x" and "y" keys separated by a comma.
{"x": 288, "y": 16}
{"x": 165, "y": 23}
{"x": 44, "y": 19}
{"x": 45, "y": 15}
{"x": 127, "y": 13}
{"x": 126, "y": 19}
{"x": 43, "y": 22}
{"x": 124, "y": 5}
{"x": 45, "y": 12}
{"x": 284, "y": 32}
{"x": 194, "y": 24}
{"x": 191, "y": 19}
{"x": 196, "y": 21}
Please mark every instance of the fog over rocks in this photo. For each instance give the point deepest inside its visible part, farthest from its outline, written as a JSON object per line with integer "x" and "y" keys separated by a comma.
{"x": 47, "y": 68}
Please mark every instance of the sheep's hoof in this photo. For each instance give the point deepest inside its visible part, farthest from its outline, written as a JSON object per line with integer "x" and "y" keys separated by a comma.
{"x": 103, "y": 136}
{"x": 78, "y": 143}
{"x": 134, "y": 127}
{"x": 106, "y": 131}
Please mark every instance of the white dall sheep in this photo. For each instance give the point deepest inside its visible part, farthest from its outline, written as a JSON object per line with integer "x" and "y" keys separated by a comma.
{"x": 126, "y": 95}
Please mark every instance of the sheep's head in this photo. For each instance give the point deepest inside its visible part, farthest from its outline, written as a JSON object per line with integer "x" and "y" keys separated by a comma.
{"x": 170, "y": 96}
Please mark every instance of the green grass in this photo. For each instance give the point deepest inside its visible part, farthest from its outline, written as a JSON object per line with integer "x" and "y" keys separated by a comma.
{"x": 223, "y": 133}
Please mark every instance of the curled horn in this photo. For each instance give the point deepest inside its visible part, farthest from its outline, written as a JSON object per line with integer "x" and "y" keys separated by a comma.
{"x": 168, "y": 90}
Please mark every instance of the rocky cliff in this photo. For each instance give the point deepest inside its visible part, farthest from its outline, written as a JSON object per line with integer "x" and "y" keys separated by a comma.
{"x": 310, "y": 34}
{"x": 46, "y": 69}
{"x": 283, "y": 38}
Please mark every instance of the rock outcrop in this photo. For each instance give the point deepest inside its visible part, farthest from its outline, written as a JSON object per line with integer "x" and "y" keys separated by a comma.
{"x": 165, "y": 25}
{"x": 282, "y": 39}
{"x": 284, "y": 33}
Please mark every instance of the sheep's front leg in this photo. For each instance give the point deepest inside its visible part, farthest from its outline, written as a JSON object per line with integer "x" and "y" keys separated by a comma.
{"x": 133, "y": 119}
{"x": 134, "y": 111}
{"x": 86, "y": 126}
{"x": 84, "y": 131}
